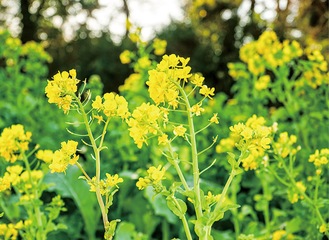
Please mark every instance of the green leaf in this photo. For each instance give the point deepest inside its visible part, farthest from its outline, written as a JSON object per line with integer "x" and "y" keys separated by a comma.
{"x": 68, "y": 185}
{"x": 177, "y": 206}
{"x": 110, "y": 229}
{"x": 159, "y": 205}
{"x": 200, "y": 227}
{"x": 219, "y": 214}
{"x": 231, "y": 160}
{"x": 125, "y": 231}
{"x": 294, "y": 225}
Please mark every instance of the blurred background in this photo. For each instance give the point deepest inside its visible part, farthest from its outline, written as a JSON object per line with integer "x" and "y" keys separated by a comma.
{"x": 89, "y": 35}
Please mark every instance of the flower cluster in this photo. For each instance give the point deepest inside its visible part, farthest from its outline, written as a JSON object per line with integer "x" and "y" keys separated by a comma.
{"x": 144, "y": 120}
{"x": 282, "y": 234}
{"x": 22, "y": 180}
{"x": 155, "y": 175}
{"x": 60, "y": 159}
{"x": 9, "y": 231}
{"x": 284, "y": 146}
{"x": 62, "y": 89}
{"x": 105, "y": 185}
{"x": 211, "y": 198}
{"x": 10, "y": 177}
{"x": 319, "y": 158}
{"x": 125, "y": 57}
{"x": 165, "y": 81}
{"x": 262, "y": 82}
{"x": 317, "y": 72}
{"x": 296, "y": 193}
{"x": 159, "y": 46}
{"x": 13, "y": 142}
{"x": 111, "y": 105}
{"x": 253, "y": 138}
{"x": 131, "y": 83}
{"x": 269, "y": 52}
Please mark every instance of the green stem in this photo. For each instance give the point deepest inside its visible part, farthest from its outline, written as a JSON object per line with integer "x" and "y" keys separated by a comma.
{"x": 36, "y": 209}
{"x": 306, "y": 197}
{"x": 234, "y": 211}
{"x": 184, "y": 221}
{"x": 98, "y": 163}
{"x": 218, "y": 205}
{"x": 195, "y": 161}
{"x": 177, "y": 168}
{"x": 266, "y": 211}
{"x": 223, "y": 194}
{"x": 165, "y": 230}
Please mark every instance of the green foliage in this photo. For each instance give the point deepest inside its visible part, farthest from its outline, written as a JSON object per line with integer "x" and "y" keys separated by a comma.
{"x": 23, "y": 74}
{"x": 262, "y": 178}
{"x": 68, "y": 186}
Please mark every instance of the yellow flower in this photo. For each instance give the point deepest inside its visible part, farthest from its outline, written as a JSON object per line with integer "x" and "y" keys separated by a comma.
{"x": 252, "y": 136}
{"x": 323, "y": 228}
{"x": 161, "y": 89}
{"x": 214, "y": 119}
{"x": 206, "y": 91}
{"x": 132, "y": 83}
{"x": 8, "y": 231}
{"x": 319, "y": 158}
{"x": 142, "y": 183}
{"x": 13, "y": 142}
{"x": 99, "y": 118}
{"x": 284, "y": 145}
{"x": 142, "y": 63}
{"x": 163, "y": 83}
{"x": 168, "y": 62}
{"x": 144, "y": 121}
{"x": 262, "y": 82}
{"x": 225, "y": 145}
{"x": 61, "y": 89}
{"x": 125, "y": 57}
{"x": 45, "y": 155}
{"x": 250, "y": 162}
{"x": 112, "y": 181}
{"x": 301, "y": 187}
{"x": 197, "y": 79}
{"x": 210, "y": 198}
{"x": 97, "y": 104}
{"x": 159, "y": 46}
{"x": 156, "y": 174}
{"x": 282, "y": 234}
{"x": 163, "y": 139}
{"x": 179, "y": 130}
{"x": 64, "y": 156}
{"x": 5, "y": 182}
{"x": 15, "y": 169}
{"x": 113, "y": 105}
{"x": 197, "y": 109}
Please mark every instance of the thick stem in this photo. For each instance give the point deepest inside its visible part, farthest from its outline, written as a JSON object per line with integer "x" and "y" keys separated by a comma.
{"x": 177, "y": 168}
{"x": 194, "y": 152}
{"x": 185, "y": 223}
{"x": 98, "y": 164}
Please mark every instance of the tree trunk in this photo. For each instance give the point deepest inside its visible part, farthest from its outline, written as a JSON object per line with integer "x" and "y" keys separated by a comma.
{"x": 29, "y": 28}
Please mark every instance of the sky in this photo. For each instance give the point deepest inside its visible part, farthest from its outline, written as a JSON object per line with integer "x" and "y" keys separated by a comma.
{"x": 150, "y": 15}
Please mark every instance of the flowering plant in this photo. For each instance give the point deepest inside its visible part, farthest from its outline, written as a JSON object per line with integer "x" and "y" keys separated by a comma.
{"x": 21, "y": 188}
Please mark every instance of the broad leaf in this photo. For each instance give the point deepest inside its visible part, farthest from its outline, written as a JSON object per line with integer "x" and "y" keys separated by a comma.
{"x": 68, "y": 185}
